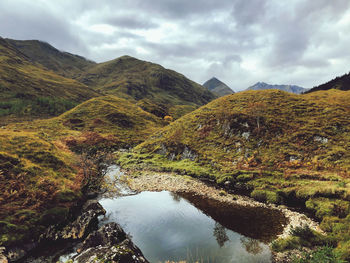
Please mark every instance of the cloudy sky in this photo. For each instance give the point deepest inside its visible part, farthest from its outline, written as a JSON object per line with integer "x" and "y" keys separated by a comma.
{"x": 302, "y": 42}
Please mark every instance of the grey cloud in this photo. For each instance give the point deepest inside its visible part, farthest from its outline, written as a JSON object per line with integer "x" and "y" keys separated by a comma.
{"x": 130, "y": 22}
{"x": 297, "y": 37}
{"x": 248, "y": 12}
{"x": 16, "y": 22}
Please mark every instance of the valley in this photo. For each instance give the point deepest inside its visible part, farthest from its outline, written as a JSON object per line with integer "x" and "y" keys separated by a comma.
{"x": 268, "y": 167}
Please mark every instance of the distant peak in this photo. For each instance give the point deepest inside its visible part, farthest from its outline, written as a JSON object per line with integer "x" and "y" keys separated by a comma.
{"x": 218, "y": 87}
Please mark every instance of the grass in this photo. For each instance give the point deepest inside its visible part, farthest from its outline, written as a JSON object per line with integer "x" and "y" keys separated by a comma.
{"x": 36, "y": 176}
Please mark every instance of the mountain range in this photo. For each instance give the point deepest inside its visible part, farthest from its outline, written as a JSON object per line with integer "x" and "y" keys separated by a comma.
{"x": 288, "y": 88}
{"x": 218, "y": 87}
{"x": 39, "y": 80}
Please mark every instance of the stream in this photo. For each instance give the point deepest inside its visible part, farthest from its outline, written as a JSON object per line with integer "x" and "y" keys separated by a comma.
{"x": 174, "y": 227}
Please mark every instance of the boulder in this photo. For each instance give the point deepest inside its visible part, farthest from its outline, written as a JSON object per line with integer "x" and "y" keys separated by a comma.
{"x": 78, "y": 229}
{"x": 109, "y": 244}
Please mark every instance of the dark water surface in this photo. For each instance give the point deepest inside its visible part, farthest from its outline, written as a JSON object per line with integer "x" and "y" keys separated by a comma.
{"x": 168, "y": 226}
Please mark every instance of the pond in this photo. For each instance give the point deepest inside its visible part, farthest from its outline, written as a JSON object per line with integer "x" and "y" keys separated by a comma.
{"x": 185, "y": 227}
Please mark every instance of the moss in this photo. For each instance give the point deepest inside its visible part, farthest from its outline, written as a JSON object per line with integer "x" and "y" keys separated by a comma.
{"x": 245, "y": 177}
{"x": 266, "y": 196}
{"x": 322, "y": 207}
{"x": 288, "y": 243}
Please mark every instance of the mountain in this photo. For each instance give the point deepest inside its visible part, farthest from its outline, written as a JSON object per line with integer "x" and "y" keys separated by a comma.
{"x": 340, "y": 83}
{"x": 218, "y": 87}
{"x": 155, "y": 89}
{"x": 62, "y": 63}
{"x": 149, "y": 84}
{"x": 288, "y": 88}
{"x": 29, "y": 89}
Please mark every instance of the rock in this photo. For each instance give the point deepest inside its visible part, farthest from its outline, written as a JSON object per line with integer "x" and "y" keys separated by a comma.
{"x": 227, "y": 184}
{"x": 79, "y": 228}
{"x": 107, "y": 235}
{"x": 188, "y": 154}
{"x": 109, "y": 244}
{"x": 3, "y": 258}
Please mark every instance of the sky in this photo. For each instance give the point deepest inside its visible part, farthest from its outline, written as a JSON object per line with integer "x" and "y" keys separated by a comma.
{"x": 241, "y": 42}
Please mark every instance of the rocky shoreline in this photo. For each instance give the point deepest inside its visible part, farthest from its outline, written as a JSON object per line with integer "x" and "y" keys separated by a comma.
{"x": 159, "y": 181}
{"x": 108, "y": 243}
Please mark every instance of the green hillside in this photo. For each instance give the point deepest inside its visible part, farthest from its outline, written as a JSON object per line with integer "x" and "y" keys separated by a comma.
{"x": 156, "y": 89}
{"x": 275, "y": 146}
{"x": 38, "y": 184}
{"x": 31, "y": 90}
{"x": 41, "y": 161}
{"x": 60, "y": 62}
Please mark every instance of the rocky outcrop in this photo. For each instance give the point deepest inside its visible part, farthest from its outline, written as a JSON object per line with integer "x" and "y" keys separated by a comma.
{"x": 109, "y": 244}
{"x": 78, "y": 229}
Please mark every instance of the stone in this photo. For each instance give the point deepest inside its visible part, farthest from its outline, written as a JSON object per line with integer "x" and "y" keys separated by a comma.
{"x": 78, "y": 229}
{"x": 109, "y": 244}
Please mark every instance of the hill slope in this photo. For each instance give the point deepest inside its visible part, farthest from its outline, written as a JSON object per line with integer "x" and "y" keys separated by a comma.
{"x": 218, "y": 87}
{"x": 288, "y": 88}
{"x": 125, "y": 123}
{"x": 340, "y": 83}
{"x": 28, "y": 89}
{"x": 62, "y": 63}
{"x": 150, "y": 84}
{"x": 232, "y": 129}
{"x": 275, "y": 146}
{"x": 41, "y": 171}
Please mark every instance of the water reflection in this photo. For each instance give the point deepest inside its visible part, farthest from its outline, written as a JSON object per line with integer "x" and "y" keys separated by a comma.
{"x": 220, "y": 234}
{"x": 251, "y": 245}
{"x": 175, "y": 197}
{"x": 166, "y": 227}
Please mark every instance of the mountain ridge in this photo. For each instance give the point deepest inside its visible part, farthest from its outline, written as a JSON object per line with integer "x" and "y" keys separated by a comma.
{"x": 61, "y": 62}
{"x": 339, "y": 83}
{"x": 289, "y": 88}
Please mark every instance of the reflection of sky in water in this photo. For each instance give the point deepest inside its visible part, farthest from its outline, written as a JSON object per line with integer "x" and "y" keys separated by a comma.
{"x": 166, "y": 227}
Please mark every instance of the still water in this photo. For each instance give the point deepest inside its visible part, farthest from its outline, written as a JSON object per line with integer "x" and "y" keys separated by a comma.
{"x": 170, "y": 227}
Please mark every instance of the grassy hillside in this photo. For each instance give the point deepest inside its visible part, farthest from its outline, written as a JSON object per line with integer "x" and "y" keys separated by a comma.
{"x": 340, "y": 83}
{"x": 30, "y": 90}
{"x": 41, "y": 161}
{"x": 158, "y": 90}
{"x": 62, "y": 63}
{"x": 125, "y": 123}
{"x": 38, "y": 184}
{"x": 248, "y": 130}
{"x": 275, "y": 146}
